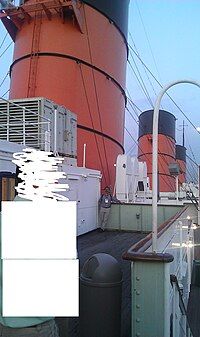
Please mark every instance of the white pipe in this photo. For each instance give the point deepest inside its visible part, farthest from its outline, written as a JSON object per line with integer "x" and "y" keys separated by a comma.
{"x": 181, "y": 249}
{"x": 24, "y": 126}
{"x": 97, "y": 205}
{"x": 8, "y": 120}
{"x": 155, "y": 158}
{"x": 47, "y": 141}
{"x": 84, "y": 154}
{"x": 177, "y": 189}
{"x": 55, "y": 132}
{"x": 7, "y": 138}
{"x": 189, "y": 268}
{"x": 49, "y": 136}
{"x": 126, "y": 182}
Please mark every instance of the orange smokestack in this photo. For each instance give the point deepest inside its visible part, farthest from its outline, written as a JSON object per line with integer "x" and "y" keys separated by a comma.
{"x": 181, "y": 160}
{"x": 166, "y": 146}
{"x": 75, "y": 53}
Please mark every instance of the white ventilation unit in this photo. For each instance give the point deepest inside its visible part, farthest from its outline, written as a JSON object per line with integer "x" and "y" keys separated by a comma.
{"x": 39, "y": 123}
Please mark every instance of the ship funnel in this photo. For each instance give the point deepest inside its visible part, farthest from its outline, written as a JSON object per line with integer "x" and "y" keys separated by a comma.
{"x": 81, "y": 70}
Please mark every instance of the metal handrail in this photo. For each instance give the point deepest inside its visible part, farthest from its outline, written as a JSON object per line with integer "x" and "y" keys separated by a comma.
{"x": 173, "y": 279}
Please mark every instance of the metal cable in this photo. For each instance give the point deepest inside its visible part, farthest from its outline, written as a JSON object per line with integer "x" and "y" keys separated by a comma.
{"x": 145, "y": 31}
{"x": 2, "y": 82}
{"x": 133, "y": 104}
{"x": 4, "y": 39}
{"x": 192, "y": 160}
{"x": 166, "y": 92}
{"x": 131, "y": 149}
{"x": 145, "y": 70}
{"x": 143, "y": 86}
{"x": 6, "y": 49}
{"x": 4, "y": 93}
{"x": 132, "y": 115}
{"x": 193, "y": 174}
{"x": 96, "y": 94}
{"x": 169, "y": 96}
{"x": 89, "y": 110}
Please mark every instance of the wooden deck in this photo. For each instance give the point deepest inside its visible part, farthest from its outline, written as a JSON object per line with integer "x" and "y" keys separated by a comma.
{"x": 113, "y": 243}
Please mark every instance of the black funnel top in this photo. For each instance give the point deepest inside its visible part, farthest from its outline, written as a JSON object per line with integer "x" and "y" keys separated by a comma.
{"x": 181, "y": 153}
{"x": 115, "y": 10}
{"x": 166, "y": 123}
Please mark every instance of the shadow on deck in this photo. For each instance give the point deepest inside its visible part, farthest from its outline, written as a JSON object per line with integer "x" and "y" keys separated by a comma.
{"x": 113, "y": 243}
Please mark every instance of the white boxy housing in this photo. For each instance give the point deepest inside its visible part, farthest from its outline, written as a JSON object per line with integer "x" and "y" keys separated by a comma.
{"x": 44, "y": 125}
{"x": 132, "y": 183}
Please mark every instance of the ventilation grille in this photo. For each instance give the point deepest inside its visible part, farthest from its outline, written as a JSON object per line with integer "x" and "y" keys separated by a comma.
{"x": 19, "y": 116}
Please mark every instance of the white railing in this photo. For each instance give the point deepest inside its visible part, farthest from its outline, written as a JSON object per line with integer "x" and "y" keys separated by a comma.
{"x": 161, "y": 281}
{"x": 178, "y": 240}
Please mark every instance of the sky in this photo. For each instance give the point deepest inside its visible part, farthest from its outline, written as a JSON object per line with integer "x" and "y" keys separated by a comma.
{"x": 165, "y": 35}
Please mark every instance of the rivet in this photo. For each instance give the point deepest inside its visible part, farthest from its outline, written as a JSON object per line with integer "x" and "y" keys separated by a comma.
{"x": 137, "y": 292}
{"x": 137, "y": 306}
{"x": 138, "y": 334}
{"x": 137, "y": 278}
{"x": 137, "y": 320}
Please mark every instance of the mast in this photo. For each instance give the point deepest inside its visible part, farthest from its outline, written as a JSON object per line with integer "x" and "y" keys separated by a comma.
{"x": 183, "y": 133}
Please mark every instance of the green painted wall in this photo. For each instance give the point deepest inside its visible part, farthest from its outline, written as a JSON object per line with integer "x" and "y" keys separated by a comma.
{"x": 150, "y": 299}
{"x": 137, "y": 217}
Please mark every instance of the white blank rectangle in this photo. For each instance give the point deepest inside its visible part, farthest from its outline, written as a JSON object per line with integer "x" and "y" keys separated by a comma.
{"x": 40, "y": 288}
{"x": 39, "y": 229}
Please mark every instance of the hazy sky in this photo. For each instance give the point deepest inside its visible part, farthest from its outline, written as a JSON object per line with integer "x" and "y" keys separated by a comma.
{"x": 165, "y": 33}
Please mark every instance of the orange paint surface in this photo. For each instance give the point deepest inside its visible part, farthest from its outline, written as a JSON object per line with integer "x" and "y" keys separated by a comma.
{"x": 182, "y": 176}
{"x": 166, "y": 156}
{"x": 97, "y": 100}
